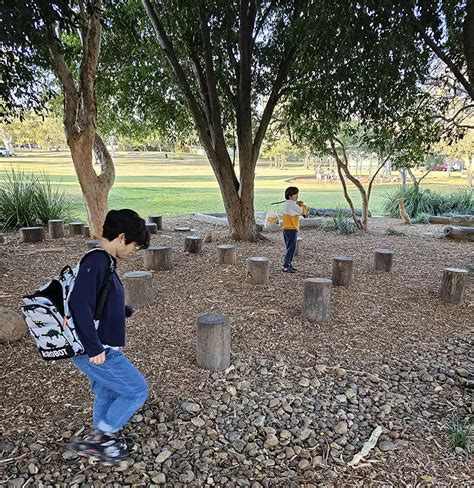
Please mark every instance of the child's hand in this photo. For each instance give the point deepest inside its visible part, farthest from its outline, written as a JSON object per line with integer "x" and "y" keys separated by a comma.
{"x": 99, "y": 359}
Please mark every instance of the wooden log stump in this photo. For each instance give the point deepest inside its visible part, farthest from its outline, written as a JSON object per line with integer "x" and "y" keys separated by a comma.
{"x": 32, "y": 234}
{"x": 138, "y": 288}
{"x": 342, "y": 268}
{"x": 213, "y": 341}
{"x": 383, "y": 260}
{"x": 56, "y": 229}
{"x": 86, "y": 232}
{"x": 299, "y": 246}
{"x": 258, "y": 270}
{"x": 459, "y": 233}
{"x": 193, "y": 244}
{"x": 317, "y": 299}
{"x": 92, "y": 244}
{"x": 226, "y": 254}
{"x": 453, "y": 285}
{"x": 182, "y": 229}
{"x": 156, "y": 219}
{"x": 158, "y": 258}
{"x": 151, "y": 227}
{"x": 76, "y": 228}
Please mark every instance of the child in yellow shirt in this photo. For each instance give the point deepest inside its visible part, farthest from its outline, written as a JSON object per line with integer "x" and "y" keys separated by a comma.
{"x": 291, "y": 223}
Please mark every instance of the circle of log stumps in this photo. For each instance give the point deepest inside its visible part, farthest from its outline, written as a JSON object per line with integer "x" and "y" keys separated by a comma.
{"x": 76, "y": 228}
{"x": 56, "y": 228}
{"x": 92, "y": 244}
{"x": 86, "y": 232}
{"x": 258, "y": 270}
{"x": 299, "y": 246}
{"x": 193, "y": 244}
{"x": 226, "y": 254}
{"x": 138, "y": 288}
{"x": 342, "y": 267}
{"x": 213, "y": 341}
{"x": 32, "y": 234}
{"x": 151, "y": 227}
{"x": 158, "y": 258}
{"x": 383, "y": 260}
{"x": 453, "y": 285}
{"x": 317, "y": 299}
{"x": 156, "y": 219}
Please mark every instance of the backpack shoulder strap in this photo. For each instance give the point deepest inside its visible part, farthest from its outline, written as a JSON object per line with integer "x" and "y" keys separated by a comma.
{"x": 106, "y": 287}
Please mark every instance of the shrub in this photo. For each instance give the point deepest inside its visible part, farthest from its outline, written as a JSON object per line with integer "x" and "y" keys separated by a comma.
{"x": 460, "y": 431}
{"x": 29, "y": 199}
{"x": 429, "y": 202}
{"x": 340, "y": 223}
{"x": 421, "y": 218}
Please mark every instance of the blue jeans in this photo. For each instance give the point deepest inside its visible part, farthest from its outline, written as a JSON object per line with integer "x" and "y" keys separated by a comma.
{"x": 290, "y": 242}
{"x": 119, "y": 389}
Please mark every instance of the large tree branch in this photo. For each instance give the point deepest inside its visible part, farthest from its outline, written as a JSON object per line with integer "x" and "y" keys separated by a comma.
{"x": 201, "y": 81}
{"x": 107, "y": 168}
{"x": 468, "y": 38}
{"x": 168, "y": 49}
{"x": 442, "y": 55}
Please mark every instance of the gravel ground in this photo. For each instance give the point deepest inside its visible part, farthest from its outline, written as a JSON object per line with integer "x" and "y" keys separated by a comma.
{"x": 394, "y": 351}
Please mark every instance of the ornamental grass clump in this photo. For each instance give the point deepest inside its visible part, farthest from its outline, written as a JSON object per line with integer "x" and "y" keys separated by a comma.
{"x": 27, "y": 199}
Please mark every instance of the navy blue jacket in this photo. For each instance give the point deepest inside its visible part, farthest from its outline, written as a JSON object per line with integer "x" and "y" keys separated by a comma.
{"x": 90, "y": 280}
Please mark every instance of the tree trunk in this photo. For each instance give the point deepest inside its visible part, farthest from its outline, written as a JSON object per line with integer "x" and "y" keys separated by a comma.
{"x": 469, "y": 165}
{"x": 403, "y": 176}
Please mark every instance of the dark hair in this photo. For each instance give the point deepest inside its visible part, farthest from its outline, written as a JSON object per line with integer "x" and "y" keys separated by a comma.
{"x": 126, "y": 222}
{"x": 290, "y": 191}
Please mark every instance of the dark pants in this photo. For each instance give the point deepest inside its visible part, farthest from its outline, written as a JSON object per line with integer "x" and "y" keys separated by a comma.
{"x": 290, "y": 242}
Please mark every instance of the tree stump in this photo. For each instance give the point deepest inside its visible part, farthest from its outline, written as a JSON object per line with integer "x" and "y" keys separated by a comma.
{"x": 138, "y": 288}
{"x": 158, "y": 258}
{"x": 182, "y": 229}
{"x": 317, "y": 299}
{"x": 156, "y": 219}
{"x": 86, "y": 232}
{"x": 151, "y": 227}
{"x": 76, "y": 228}
{"x": 258, "y": 270}
{"x": 299, "y": 246}
{"x": 383, "y": 260}
{"x": 32, "y": 234}
{"x": 213, "y": 341}
{"x": 342, "y": 271}
{"x": 459, "y": 233}
{"x": 453, "y": 285}
{"x": 92, "y": 244}
{"x": 226, "y": 254}
{"x": 56, "y": 229}
{"x": 193, "y": 244}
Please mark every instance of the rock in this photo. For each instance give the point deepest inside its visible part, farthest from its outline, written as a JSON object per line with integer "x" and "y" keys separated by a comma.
{"x": 271, "y": 441}
{"x": 163, "y": 456}
{"x": 190, "y": 407}
{"x": 304, "y": 463}
{"x": 231, "y": 390}
{"x": 305, "y": 433}
{"x": 198, "y": 421}
{"x": 33, "y": 469}
{"x": 12, "y": 326}
{"x": 340, "y": 372}
{"x": 464, "y": 373}
{"x": 386, "y": 446}
{"x": 341, "y": 428}
{"x": 304, "y": 382}
{"x": 341, "y": 398}
{"x": 78, "y": 479}
{"x": 317, "y": 461}
{"x": 187, "y": 477}
{"x": 386, "y": 409}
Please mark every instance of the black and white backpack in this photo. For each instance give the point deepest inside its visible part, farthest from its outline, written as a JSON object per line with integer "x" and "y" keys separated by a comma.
{"x": 48, "y": 317}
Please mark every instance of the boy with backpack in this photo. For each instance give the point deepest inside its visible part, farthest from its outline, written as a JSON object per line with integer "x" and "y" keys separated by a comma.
{"x": 119, "y": 388}
{"x": 292, "y": 210}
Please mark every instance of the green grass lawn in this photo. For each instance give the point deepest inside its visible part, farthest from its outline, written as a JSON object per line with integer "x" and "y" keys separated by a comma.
{"x": 182, "y": 185}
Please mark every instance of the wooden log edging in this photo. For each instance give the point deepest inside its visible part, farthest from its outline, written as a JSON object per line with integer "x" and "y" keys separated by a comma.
{"x": 459, "y": 233}
{"x": 32, "y": 234}
{"x": 317, "y": 299}
{"x": 213, "y": 341}
{"x": 138, "y": 288}
{"x": 453, "y": 285}
{"x": 258, "y": 270}
{"x": 462, "y": 220}
{"x": 342, "y": 268}
{"x": 56, "y": 229}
